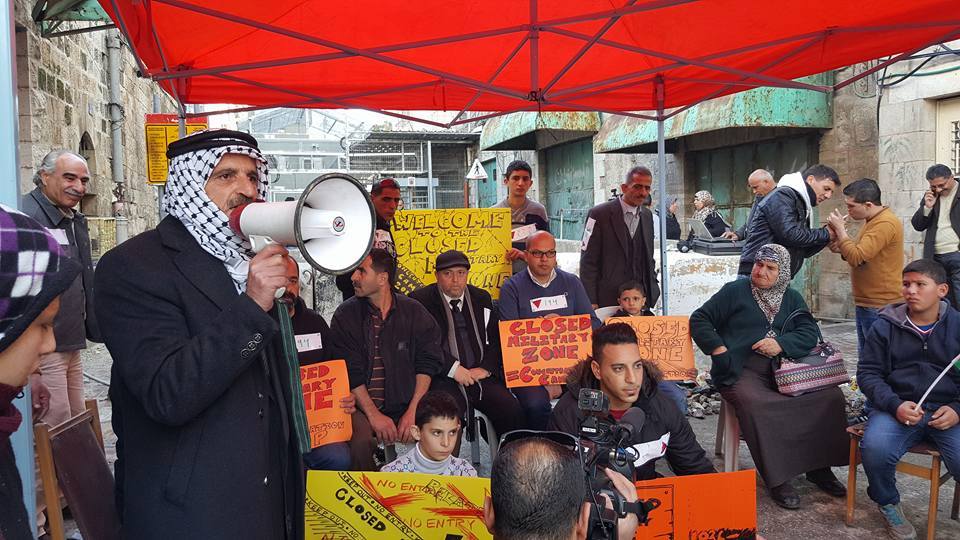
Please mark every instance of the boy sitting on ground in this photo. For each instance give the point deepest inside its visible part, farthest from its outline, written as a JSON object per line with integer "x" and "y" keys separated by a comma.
{"x": 905, "y": 351}
{"x": 633, "y": 304}
{"x": 437, "y": 431}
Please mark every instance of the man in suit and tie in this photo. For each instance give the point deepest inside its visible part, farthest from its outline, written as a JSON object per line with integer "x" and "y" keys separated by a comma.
{"x": 617, "y": 244}
{"x": 471, "y": 350}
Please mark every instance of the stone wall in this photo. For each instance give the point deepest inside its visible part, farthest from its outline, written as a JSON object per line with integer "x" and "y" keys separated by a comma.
{"x": 63, "y": 98}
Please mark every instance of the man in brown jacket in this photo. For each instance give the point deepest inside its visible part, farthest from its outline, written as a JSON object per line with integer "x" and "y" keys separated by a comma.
{"x": 875, "y": 257}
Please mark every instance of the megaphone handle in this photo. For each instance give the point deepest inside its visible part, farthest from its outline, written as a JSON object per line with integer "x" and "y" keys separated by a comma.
{"x": 257, "y": 243}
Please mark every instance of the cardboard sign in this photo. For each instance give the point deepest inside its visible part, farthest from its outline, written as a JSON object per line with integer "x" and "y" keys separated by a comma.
{"x": 482, "y": 234}
{"x": 538, "y": 352}
{"x": 689, "y": 507}
{"x": 159, "y": 131}
{"x": 666, "y": 341}
{"x": 359, "y": 506}
{"x": 324, "y": 384}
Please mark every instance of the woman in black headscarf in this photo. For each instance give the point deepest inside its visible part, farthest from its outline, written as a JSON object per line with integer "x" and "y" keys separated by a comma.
{"x": 745, "y": 330}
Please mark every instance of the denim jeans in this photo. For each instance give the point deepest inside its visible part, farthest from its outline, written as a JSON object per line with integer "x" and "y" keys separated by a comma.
{"x": 886, "y": 440}
{"x": 675, "y": 393}
{"x": 535, "y": 402}
{"x": 332, "y": 457}
{"x": 951, "y": 262}
{"x": 865, "y": 318}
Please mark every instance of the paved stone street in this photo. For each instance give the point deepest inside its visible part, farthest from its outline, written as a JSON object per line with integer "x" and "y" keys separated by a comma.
{"x": 821, "y": 517}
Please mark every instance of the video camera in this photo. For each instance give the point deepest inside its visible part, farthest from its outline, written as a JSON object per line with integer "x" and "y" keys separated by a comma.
{"x": 606, "y": 444}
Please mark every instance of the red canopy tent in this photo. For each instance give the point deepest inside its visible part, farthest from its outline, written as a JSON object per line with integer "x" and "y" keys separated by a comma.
{"x": 503, "y": 56}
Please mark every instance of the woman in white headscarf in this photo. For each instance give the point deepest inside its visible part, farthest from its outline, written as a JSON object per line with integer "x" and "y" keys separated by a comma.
{"x": 705, "y": 210}
{"x": 745, "y": 329}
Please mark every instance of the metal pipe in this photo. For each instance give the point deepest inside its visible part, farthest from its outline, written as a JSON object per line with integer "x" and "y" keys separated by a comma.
{"x": 22, "y": 439}
{"x": 662, "y": 186}
{"x": 432, "y": 202}
{"x": 561, "y": 223}
{"x": 116, "y": 132}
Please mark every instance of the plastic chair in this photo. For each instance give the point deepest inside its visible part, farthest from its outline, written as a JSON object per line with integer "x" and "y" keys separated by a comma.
{"x": 728, "y": 437}
{"x": 605, "y": 313}
{"x": 931, "y": 474}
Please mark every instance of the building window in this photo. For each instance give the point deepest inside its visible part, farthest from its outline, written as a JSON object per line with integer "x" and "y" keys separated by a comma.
{"x": 955, "y": 145}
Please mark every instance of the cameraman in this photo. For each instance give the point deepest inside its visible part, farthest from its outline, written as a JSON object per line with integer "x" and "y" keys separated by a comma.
{"x": 617, "y": 369}
{"x": 531, "y": 495}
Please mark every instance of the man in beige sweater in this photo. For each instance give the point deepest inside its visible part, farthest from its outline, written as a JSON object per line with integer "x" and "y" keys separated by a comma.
{"x": 875, "y": 257}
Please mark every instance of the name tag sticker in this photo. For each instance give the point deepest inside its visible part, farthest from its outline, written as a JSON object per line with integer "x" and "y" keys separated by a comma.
{"x": 587, "y": 233}
{"x": 521, "y": 233}
{"x": 60, "y": 235}
{"x": 308, "y": 342}
{"x": 548, "y": 303}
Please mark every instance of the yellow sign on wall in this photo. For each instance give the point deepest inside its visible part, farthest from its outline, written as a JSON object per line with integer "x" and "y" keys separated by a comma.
{"x": 482, "y": 234}
{"x": 362, "y": 505}
{"x": 161, "y": 130}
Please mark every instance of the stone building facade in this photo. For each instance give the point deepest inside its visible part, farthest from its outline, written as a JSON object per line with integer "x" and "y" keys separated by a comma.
{"x": 63, "y": 100}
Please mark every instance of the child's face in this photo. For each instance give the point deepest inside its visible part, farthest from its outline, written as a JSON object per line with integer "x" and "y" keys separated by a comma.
{"x": 632, "y": 301}
{"x": 438, "y": 437}
{"x": 22, "y": 357}
{"x": 922, "y": 293}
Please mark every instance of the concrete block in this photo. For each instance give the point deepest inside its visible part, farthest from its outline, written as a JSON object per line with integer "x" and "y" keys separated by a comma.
{"x": 901, "y": 147}
{"x": 891, "y": 118}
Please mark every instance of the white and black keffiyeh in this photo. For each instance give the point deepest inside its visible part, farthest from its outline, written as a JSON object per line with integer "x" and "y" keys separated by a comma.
{"x": 186, "y": 200}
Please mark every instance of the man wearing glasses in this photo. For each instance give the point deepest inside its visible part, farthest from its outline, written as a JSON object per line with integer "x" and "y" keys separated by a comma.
{"x": 617, "y": 244}
{"x": 543, "y": 290}
{"x": 939, "y": 216}
{"x": 386, "y": 198}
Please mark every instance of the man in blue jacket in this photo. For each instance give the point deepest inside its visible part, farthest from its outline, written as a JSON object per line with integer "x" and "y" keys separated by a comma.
{"x": 906, "y": 350}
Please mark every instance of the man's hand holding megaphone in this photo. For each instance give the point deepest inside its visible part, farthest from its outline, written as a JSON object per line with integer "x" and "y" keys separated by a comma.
{"x": 267, "y": 273}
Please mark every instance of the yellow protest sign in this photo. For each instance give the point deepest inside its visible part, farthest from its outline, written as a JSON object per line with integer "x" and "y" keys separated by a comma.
{"x": 324, "y": 384}
{"x": 161, "y": 130}
{"x": 482, "y": 234}
{"x": 360, "y": 505}
{"x": 538, "y": 352}
{"x": 666, "y": 341}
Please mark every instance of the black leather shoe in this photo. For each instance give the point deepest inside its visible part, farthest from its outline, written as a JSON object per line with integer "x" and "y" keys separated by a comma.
{"x": 785, "y": 496}
{"x": 827, "y": 482}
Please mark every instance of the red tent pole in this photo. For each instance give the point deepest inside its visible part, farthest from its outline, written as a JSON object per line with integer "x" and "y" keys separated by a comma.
{"x": 662, "y": 187}
{"x": 492, "y": 78}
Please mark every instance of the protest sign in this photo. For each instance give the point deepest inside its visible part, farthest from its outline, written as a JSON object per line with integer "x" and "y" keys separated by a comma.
{"x": 324, "y": 384}
{"x": 359, "y": 505}
{"x": 482, "y": 234}
{"x": 538, "y": 352}
{"x": 689, "y": 507}
{"x": 666, "y": 341}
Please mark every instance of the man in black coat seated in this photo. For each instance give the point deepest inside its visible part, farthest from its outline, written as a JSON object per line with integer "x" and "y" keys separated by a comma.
{"x": 628, "y": 381}
{"x": 200, "y": 391}
{"x": 468, "y": 331}
{"x": 391, "y": 346}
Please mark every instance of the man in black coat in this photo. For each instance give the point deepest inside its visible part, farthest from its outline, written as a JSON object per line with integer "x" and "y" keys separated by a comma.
{"x": 618, "y": 244}
{"x": 468, "y": 326}
{"x": 392, "y": 349}
{"x": 939, "y": 218}
{"x": 200, "y": 392}
{"x": 785, "y": 217}
{"x": 630, "y": 382}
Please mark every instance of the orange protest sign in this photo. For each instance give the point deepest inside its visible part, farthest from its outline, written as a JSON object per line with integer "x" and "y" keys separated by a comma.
{"x": 666, "y": 341}
{"x": 689, "y": 507}
{"x": 538, "y": 352}
{"x": 324, "y": 384}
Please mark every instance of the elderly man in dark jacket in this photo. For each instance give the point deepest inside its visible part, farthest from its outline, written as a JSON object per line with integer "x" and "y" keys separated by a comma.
{"x": 200, "y": 389}
{"x": 391, "y": 346}
{"x": 469, "y": 334}
{"x": 785, "y": 217}
{"x": 630, "y": 382}
{"x": 61, "y": 181}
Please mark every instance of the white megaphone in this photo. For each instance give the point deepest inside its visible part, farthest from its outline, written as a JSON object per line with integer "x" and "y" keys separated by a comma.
{"x": 332, "y": 223}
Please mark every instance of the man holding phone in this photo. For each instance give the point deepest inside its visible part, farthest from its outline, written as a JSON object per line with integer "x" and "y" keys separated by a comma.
{"x": 939, "y": 216}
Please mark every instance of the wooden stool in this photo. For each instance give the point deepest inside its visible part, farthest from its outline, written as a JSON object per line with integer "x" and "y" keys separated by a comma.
{"x": 728, "y": 437}
{"x": 931, "y": 474}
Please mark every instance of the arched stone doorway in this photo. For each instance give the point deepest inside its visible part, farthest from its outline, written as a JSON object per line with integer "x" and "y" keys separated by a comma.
{"x": 89, "y": 205}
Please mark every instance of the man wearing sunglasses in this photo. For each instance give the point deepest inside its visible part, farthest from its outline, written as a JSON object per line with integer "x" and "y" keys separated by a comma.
{"x": 530, "y": 490}
{"x": 543, "y": 290}
{"x": 939, "y": 216}
{"x": 629, "y": 381}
